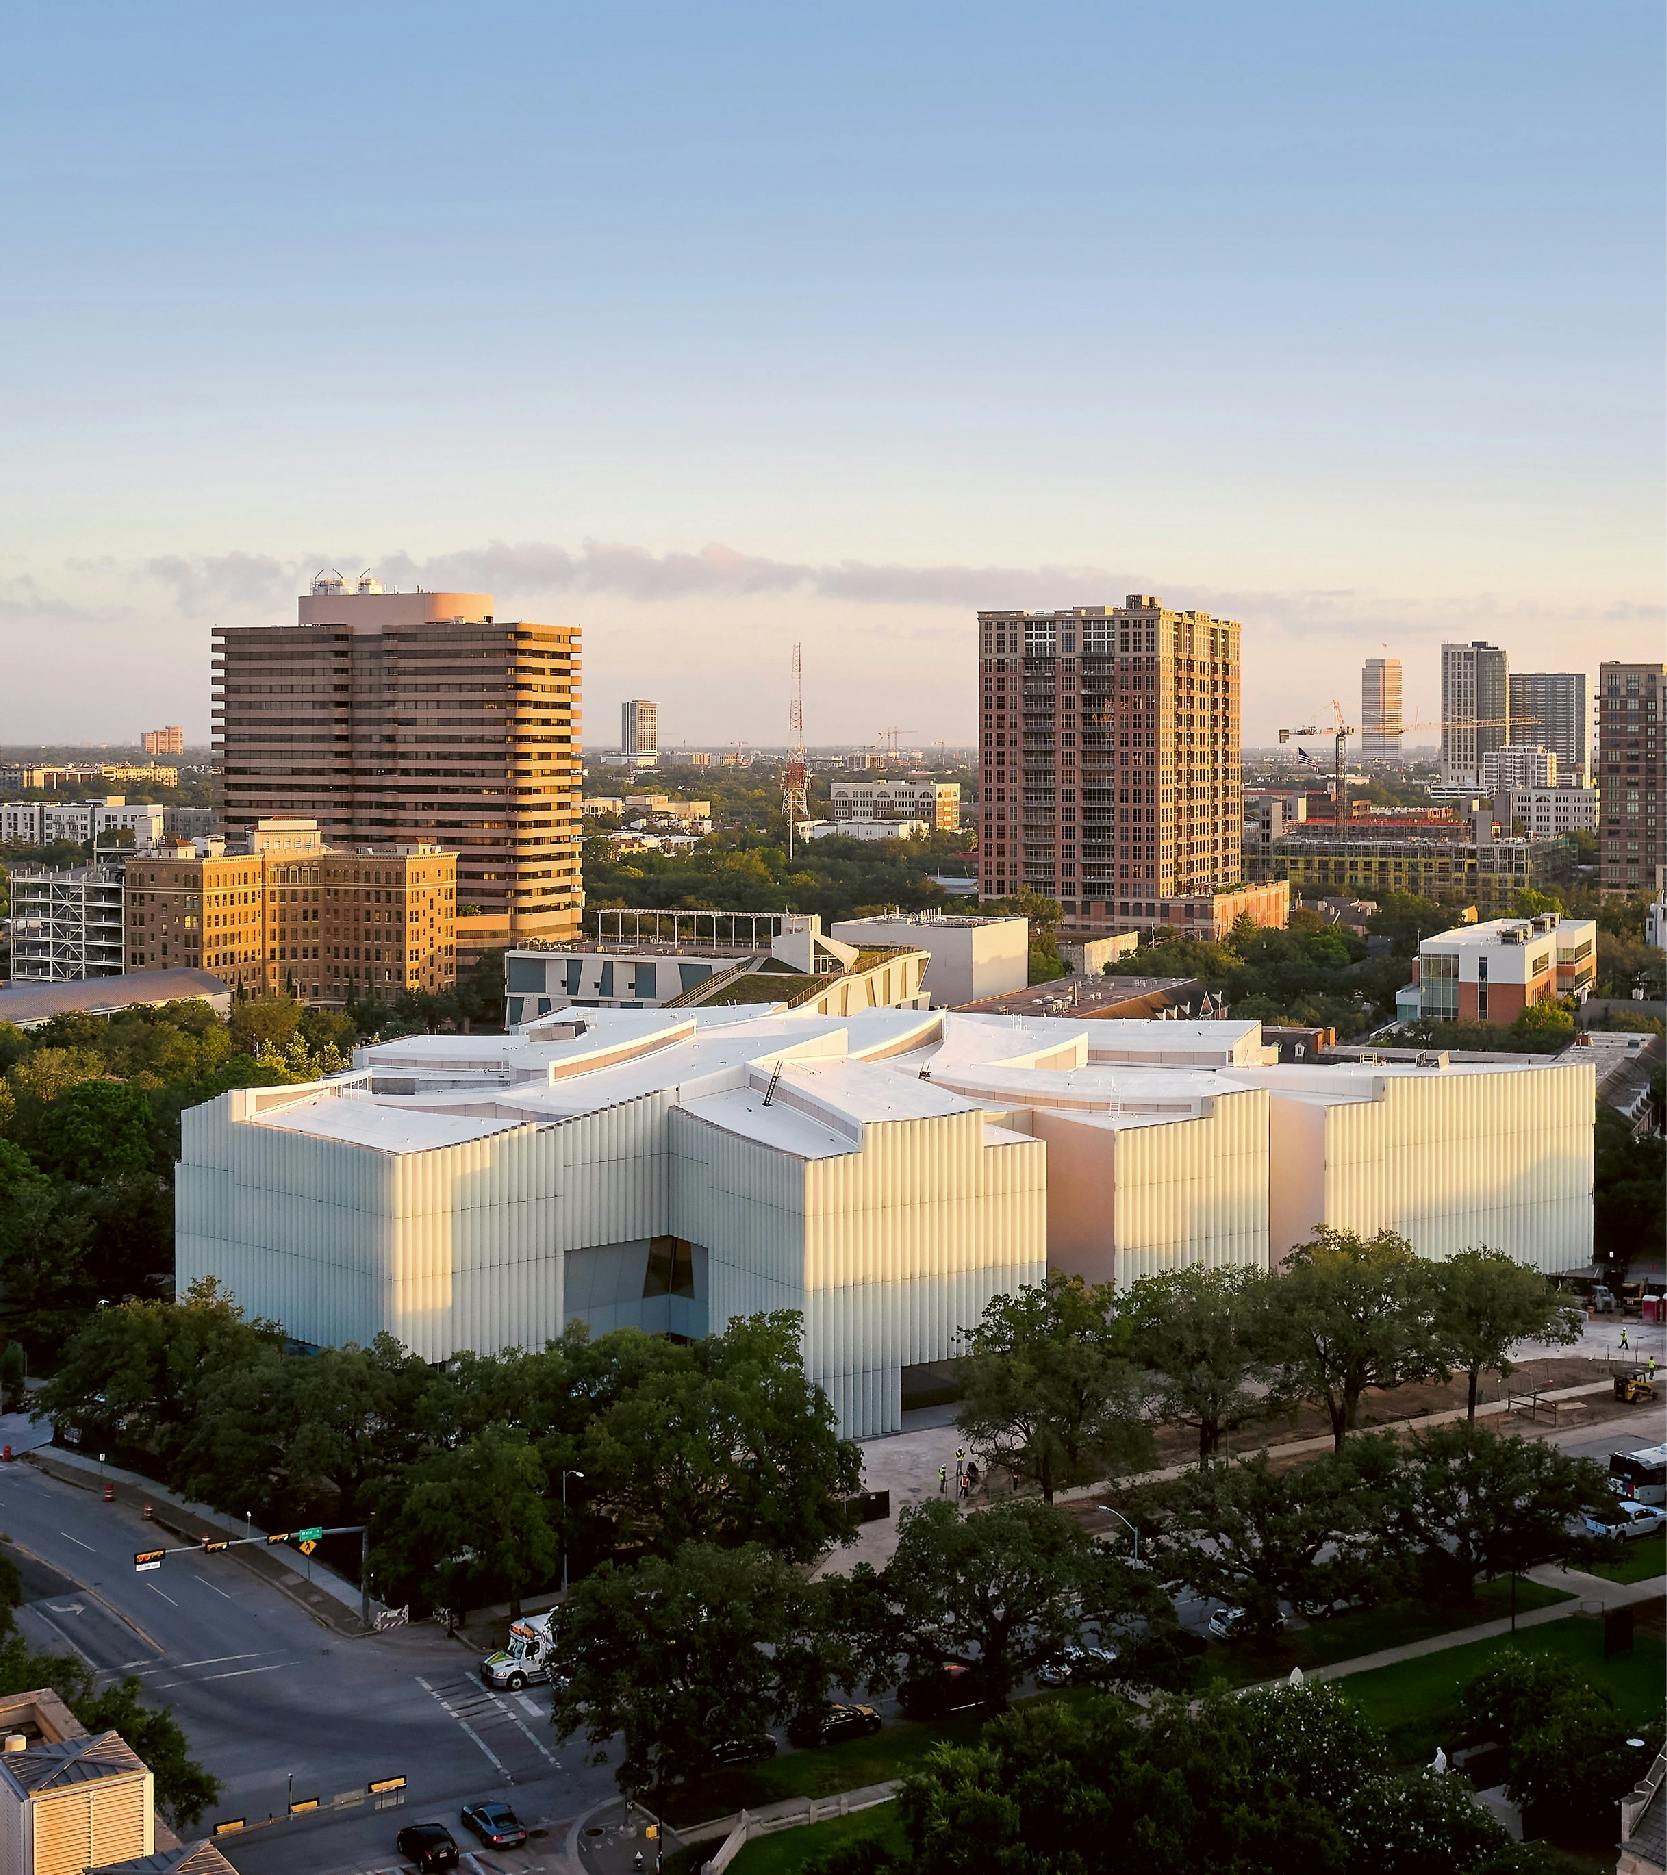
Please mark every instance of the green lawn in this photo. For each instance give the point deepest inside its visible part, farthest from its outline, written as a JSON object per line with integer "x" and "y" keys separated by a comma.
{"x": 1637, "y": 1562}
{"x": 1415, "y": 1702}
{"x": 790, "y": 1849}
{"x": 1368, "y": 1631}
{"x": 893, "y": 1751}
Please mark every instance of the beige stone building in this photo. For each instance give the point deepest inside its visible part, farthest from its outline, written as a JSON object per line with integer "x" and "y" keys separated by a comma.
{"x": 292, "y": 915}
{"x": 415, "y": 719}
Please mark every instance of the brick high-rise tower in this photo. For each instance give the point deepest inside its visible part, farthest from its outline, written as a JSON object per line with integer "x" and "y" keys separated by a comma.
{"x": 1632, "y": 776}
{"x": 1109, "y": 747}
{"x": 421, "y": 718}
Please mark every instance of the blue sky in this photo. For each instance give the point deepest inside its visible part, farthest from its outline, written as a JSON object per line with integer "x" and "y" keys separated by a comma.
{"x": 1344, "y": 320}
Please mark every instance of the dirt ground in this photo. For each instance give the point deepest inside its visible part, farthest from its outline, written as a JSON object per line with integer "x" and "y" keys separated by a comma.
{"x": 1176, "y": 1445}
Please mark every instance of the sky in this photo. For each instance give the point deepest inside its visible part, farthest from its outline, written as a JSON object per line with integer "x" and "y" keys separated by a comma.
{"x": 712, "y": 328}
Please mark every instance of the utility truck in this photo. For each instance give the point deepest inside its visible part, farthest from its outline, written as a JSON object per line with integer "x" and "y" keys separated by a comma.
{"x": 525, "y": 1657}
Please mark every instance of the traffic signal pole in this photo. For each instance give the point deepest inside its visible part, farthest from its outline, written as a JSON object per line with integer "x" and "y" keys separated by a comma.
{"x": 306, "y": 1540}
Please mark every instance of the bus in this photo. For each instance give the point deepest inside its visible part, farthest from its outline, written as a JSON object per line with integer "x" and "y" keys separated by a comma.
{"x": 1641, "y": 1476}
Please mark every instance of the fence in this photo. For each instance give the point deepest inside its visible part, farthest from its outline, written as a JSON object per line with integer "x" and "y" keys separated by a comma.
{"x": 792, "y": 1816}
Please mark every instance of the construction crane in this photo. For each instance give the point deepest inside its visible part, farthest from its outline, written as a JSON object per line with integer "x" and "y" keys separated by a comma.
{"x": 795, "y": 780}
{"x": 889, "y": 739}
{"x": 1339, "y": 732}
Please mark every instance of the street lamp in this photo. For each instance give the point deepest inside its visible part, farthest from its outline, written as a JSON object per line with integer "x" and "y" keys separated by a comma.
{"x": 1126, "y": 1525}
{"x": 564, "y": 1478}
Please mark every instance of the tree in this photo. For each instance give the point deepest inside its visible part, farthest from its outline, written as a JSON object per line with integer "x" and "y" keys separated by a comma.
{"x": 1012, "y": 1583}
{"x": 723, "y": 1441}
{"x": 1246, "y": 1534}
{"x": 148, "y": 1368}
{"x": 264, "y": 1024}
{"x": 44, "y": 1233}
{"x": 471, "y": 1524}
{"x": 1048, "y": 1390}
{"x": 1480, "y": 1503}
{"x": 97, "y": 1132}
{"x": 1353, "y": 1312}
{"x": 1421, "y": 1825}
{"x": 1484, "y": 1304}
{"x": 355, "y": 1418}
{"x": 1205, "y": 1335}
{"x": 676, "y": 1655}
{"x": 1565, "y": 1748}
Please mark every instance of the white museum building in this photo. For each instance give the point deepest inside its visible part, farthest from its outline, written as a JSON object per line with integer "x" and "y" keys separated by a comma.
{"x": 884, "y": 1172}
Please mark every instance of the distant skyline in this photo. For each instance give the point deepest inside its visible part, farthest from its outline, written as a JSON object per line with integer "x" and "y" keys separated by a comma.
{"x": 1343, "y": 322}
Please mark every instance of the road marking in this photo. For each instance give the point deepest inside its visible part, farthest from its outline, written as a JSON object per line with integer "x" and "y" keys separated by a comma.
{"x": 67, "y": 1608}
{"x": 75, "y": 1539}
{"x": 136, "y": 1663}
{"x": 167, "y": 1598}
{"x": 216, "y": 1660}
{"x": 236, "y": 1673}
{"x": 492, "y": 1757}
{"x": 528, "y": 1705}
{"x": 212, "y": 1585}
{"x": 49, "y": 1622}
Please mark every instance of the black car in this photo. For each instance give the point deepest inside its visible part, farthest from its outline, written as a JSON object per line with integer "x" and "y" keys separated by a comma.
{"x": 429, "y": 1845}
{"x": 496, "y": 1824}
{"x": 742, "y": 1751}
{"x": 938, "y": 1691}
{"x": 832, "y": 1724}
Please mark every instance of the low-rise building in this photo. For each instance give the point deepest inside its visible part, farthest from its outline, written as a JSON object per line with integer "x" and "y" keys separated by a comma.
{"x": 863, "y": 829}
{"x": 66, "y": 923}
{"x": 40, "y": 823}
{"x": 654, "y": 959}
{"x": 885, "y": 1173}
{"x": 937, "y": 803}
{"x": 1319, "y": 861}
{"x": 971, "y": 956}
{"x": 1546, "y": 814}
{"x": 1518, "y": 765}
{"x": 1492, "y": 972}
{"x": 28, "y": 1005}
{"x": 291, "y": 915}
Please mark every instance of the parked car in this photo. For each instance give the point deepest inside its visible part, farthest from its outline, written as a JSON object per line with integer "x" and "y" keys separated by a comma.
{"x": 1628, "y": 1519}
{"x": 832, "y": 1724}
{"x": 1077, "y": 1664}
{"x": 429, "y": 1845}
{"x": 495, "y": 1823}
{"x": 1227, "y": 1620}
{"x": 742, "y": 1751}
{"x": 952, "y": 1687}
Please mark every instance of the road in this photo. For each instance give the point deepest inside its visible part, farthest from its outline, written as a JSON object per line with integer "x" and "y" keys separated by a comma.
{"x": 279, "y": 1708}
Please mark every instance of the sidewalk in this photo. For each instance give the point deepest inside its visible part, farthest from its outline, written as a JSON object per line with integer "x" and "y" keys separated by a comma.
{"x": 906, "y": 1464}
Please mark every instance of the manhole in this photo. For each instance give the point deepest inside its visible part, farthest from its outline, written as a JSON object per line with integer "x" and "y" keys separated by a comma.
{"x": 595, "y": 1830}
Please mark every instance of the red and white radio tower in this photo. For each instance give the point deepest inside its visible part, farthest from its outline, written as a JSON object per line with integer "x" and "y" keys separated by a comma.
{"x": 794, "y": 779}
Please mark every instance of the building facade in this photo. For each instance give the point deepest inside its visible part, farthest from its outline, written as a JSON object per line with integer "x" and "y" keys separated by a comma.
{"x": 937, "y": 803}
{"x": 168, "y": 741}
{"x": 40, "y": 823}
{"x": 66, "y": 923}
{"x": 1550, "y": 813}
{"x": 1475, "y": 709}
{"x": 1632, "y": 777}
{"x": 415, "y": 719}
{"x": 1381, "y": 710}
{"x": 1317, "y": 861}
{"x": 1109, "y": 744}
{"x": 1553, "y": 709}
{"x": 1492, "y": 972}
{"x": 639, "y": 729}
{"x": 971, "y": 957}
{"x": 294, "y": 917}
{"x": 1519, "y": 765}
{"x": 884, "y": 1173}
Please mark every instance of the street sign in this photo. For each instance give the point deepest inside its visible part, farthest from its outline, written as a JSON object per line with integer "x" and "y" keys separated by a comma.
{"x": 382, "y": 1784}
{"x": 302, "y": 1806}
{"x": 144, "y": 1559}
{"x": 307, "y": 1546}
{"x": 304, "y": 1537}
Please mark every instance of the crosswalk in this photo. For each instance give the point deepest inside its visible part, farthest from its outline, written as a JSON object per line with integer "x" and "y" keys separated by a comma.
{"x": 510, "y": 1730}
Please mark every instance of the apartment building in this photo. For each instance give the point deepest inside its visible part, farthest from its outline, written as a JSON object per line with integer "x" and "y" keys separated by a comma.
{"x": 1552, "y": 709}
{"x": 1549, "y": 813}
{"x": 1492, "y": 972}
{"x": 415, "y": 719}
{"x": 1632, "y": 776}
{"x": 1109, "y": 743}
{"x": 1381, "y": 713}
{"x": 639, "y": 730}
{"x": 1475, "y": 709}
{"x": 937, "y": 803}
{"x": 1519, "y": 765}
{"x": 166, "y": 741}
{"x": 293, "y": 916}
{"x": 40, "y": 823}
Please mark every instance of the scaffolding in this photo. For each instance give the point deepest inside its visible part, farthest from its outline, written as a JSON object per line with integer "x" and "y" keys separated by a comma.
{"x": 66, "y": 924}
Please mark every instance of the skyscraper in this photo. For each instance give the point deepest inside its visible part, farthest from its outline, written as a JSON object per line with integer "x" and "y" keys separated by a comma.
{"x": 1380, "y": 709}
{"x": 415, "y": 719}
{"x": 1549, "y": 707}
{"x": 1475, "y": 709}
{"x": 1109, "y": 744}
{"x": 1632, "y": 785}
{"x": 639, "y": 730}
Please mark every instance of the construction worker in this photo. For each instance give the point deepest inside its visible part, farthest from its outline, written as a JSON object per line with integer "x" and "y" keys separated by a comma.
{"x": 1649, "y": 1373}
{"x": 1625, "y": 1344}
{"x": 943, "y": 1479}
